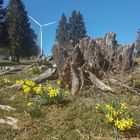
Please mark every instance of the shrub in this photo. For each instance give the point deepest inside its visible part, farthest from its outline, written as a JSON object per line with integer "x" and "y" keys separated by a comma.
{"x": 36, "y": 70}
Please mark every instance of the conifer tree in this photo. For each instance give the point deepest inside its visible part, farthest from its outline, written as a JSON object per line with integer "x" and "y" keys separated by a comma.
{"x": 77, "y": 29}
{"x": 1, "y": 20}
{"x": 1, "y": 11}
{"x": 62, "y": 36}
{"x": 21, "y": 36}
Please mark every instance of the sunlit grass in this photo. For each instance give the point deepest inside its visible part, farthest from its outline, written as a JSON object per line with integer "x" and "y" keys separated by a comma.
{"x": 60, "y": 121}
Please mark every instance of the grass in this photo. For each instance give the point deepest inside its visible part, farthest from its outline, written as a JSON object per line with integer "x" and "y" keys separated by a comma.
{"x": 76, "y": 120}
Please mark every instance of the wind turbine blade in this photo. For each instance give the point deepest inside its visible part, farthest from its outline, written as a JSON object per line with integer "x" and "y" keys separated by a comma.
{"x": 35, "y": 21}
{"x": 49, "y": 23}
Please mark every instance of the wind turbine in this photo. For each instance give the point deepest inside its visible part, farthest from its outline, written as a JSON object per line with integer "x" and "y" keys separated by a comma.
{"x": 41, "y": 30}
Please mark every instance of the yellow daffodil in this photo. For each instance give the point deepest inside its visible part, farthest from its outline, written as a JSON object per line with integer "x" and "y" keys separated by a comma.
{"x": 117, "y": 116}
{"x": 48, "y": 87}
{"x": 123, "y": 106}
{"x": 114, "y": 113}
{"x": 29, "y": 104}
{"x": 124, "y": 124}
{"x": 121, "y": 112}
{"x": 117, "y": 122}
{"x": 97, "y": 107}
{"x": 129, "y": 123}
{"x": 38, "y": 89}
{"x": 58, "y": 82}
{"x": 6, "y": 81}
{"x": 30, "y": 83}
{"x": 109, "y": 108}
{"x": 109, "y": 118}
{"x": 19, "y": 82}
{"x": 26, "y": 89}
{"x": 53, "y": 92}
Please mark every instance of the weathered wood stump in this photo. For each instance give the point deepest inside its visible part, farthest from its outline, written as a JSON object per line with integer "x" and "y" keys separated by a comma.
{"x": 88, "y": 61}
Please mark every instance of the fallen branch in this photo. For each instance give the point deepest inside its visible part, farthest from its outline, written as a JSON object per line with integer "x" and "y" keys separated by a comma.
{"x": 49, "y": 74}
{"x": 11, "y": 71}
{"x": 99, "y": 84}
{"x": 118, "y": 83}
{"x": 10, "y": 121}
{"x": 7, "y": 108}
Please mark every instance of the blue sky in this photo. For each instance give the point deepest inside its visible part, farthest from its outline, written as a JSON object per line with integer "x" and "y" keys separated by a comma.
{"x": 101, "y": 16}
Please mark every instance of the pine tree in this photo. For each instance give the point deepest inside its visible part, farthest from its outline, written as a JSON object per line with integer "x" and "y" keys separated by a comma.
{"x": 4, "y": 33}
{"x": 21, "y": 36}
{"x": 1, "y": 11}
{"x": 138, "y": 44}
{"x": 30, "y": 49}
{"x": 76, "y": 27}
{"x": 62, "y": 31}
{"x": 1, "y": 20}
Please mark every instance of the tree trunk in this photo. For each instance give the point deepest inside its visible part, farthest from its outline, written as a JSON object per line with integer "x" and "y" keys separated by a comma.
{"x": 17, "y": 59}
{"x": 87, "y": 63}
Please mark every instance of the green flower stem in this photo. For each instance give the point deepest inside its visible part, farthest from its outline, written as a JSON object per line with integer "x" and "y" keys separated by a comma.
{"x": 117, "y": 133}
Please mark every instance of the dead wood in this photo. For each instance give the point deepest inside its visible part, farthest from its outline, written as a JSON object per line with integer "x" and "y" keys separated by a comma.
{"x": 118, "y": 83}
{"x": 49, "y": 74}
{"x": 96, "y": 57}
{"x": 99, "y": 84}
{"x": 14, "y": 70}
{"x": 75, "y": 84}
{"x": 7, "y": 108}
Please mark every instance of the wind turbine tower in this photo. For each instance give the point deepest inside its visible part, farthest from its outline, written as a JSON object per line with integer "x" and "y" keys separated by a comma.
{"x": 41, "y": 31}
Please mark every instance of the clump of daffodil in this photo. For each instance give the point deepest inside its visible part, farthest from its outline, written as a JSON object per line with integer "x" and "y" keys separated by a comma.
{"x": 27, "y": 85}
{"x": 48, "y": 87}
{"x": 26, "y": 82}
{"x": 49, "y": 93}
{"x": 38, "y": 89}
{"x": 6, "y": 81}
{"x": 26, "y": 89}
{"x": 30, "y": 83}
{"x": 19, "y": 82}
{"x": 117, "y": 115}
{"x": 56, "y": 91}
{"x": 124, "y": 124}
{"x": 109, "y": 107}
{"x": 53, "y": 92}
